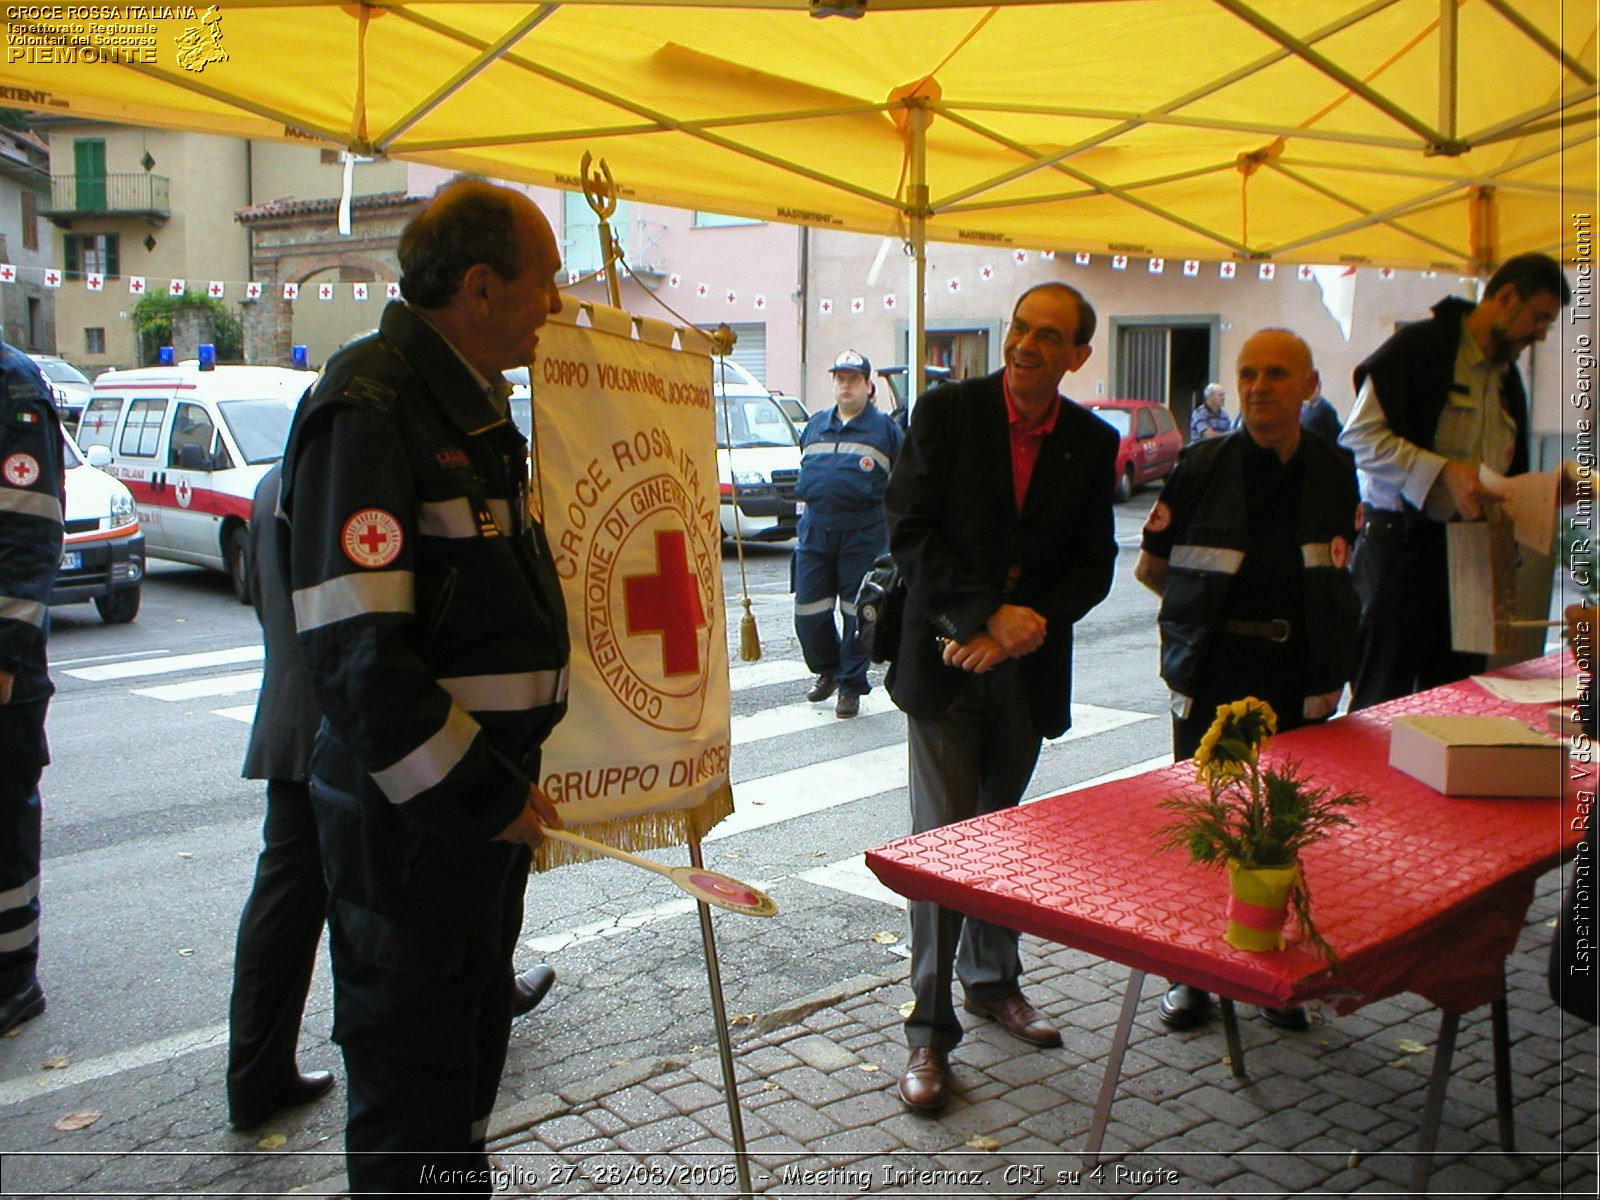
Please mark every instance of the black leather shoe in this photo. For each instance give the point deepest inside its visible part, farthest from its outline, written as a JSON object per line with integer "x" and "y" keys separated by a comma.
{"x": 531, "y": 987}
{"x": 1292, "y": 1019}
{"x": 24, "y": 1006}
{"x": 305, "y": 1088}
{"x": 822, "y": 688}
{"x": 847, "y": 705}
{"x": 1021, "y": 1019}
{"x": 926, "y": 1084}
{"x": 1184, "y": 1007}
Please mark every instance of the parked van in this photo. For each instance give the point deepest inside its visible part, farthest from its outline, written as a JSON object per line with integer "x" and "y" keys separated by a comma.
{"x": 191, "y": 445}
{"x": 102, "y": 556}
{"x": 759, "y": 449}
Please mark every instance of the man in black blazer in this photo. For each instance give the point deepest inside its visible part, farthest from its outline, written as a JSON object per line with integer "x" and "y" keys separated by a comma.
{"x": 999, "y": 513}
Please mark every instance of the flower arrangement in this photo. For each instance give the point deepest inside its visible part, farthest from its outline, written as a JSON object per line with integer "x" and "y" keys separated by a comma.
{"x": 1254, "y": 818}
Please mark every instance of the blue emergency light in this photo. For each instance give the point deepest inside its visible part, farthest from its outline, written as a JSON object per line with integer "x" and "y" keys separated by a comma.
{"x": 208, "y": 356}
{"x": 164, "y": 356}
{"x": 299, "y": 356}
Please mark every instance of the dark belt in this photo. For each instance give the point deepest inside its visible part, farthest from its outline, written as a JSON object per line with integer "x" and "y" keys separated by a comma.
{"x": 1274, "y": 631}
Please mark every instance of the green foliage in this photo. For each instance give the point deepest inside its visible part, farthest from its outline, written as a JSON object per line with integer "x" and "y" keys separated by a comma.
{"x": 152, "y": 322}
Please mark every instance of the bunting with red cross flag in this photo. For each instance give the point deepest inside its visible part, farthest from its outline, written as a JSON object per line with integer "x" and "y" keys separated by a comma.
{"x": 626, "y": 479}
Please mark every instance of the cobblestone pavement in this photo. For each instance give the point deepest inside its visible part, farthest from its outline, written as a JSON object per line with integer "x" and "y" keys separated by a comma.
{"x": 1331, "y": 1112}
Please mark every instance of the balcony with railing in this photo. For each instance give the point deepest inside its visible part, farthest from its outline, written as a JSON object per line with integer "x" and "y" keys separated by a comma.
{"x": 134, "y": 194}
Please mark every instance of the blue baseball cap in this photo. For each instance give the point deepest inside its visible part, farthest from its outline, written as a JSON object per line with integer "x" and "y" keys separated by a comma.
{"x": 853, "y": 360}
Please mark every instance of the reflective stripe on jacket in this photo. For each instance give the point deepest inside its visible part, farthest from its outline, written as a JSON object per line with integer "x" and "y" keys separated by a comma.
{"x": 844, "y": 468}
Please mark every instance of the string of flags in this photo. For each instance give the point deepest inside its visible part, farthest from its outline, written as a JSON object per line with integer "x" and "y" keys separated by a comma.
{"x": 215, "y": 289}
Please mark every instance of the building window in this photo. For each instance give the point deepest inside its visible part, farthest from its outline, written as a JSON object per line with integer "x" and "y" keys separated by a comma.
{"x": 94, "y": 340}
{"x": 91, "y": 254}
{"x": 580, "y": 248}
{"x": 711, "y": 220}
{"x": 30, "y": 219}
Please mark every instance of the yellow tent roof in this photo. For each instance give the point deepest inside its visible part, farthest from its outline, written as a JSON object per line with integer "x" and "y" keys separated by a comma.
{"x": 1430, "y": 133}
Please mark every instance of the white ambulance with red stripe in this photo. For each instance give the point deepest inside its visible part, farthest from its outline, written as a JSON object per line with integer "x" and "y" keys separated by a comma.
{"x": 191, "y": 444}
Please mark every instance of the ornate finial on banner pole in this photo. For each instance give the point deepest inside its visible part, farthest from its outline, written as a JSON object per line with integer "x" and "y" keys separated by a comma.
{"x": 600, "y": 190}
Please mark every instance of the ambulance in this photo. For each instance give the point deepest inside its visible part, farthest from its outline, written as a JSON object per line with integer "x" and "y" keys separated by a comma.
{"x": 191, "y": 443}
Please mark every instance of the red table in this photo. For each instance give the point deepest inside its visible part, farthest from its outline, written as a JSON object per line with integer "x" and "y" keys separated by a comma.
{"x": 1427, "y": 893}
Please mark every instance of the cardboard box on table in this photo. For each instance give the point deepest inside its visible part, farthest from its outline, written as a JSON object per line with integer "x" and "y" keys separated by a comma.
{"x": 1478, "y": 756}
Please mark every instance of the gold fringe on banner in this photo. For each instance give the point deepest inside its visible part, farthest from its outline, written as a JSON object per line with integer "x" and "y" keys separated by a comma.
{"x": 645, "y": 831}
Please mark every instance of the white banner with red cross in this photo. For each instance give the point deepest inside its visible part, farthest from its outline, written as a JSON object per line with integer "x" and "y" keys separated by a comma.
{"x": 626, "y": 479}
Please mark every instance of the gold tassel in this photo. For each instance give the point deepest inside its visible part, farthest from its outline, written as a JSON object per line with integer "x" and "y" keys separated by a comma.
{"x": 749, "y": 639}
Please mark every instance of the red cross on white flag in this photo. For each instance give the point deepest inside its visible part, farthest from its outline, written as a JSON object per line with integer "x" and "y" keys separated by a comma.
{"x": 702, "y": 290}
{"x": 1191, "y": 266}
{"x": 1119, "y": 262}
{"x": 252, "y": 290}
{"x": 1385, "y": 273}
{"x": 214, "y": 290}
{"x": 953, "y": 284}
{"x": 731, "y": 296}
{"x": 391, "y": 290}
{"x": 986, "y": 272}
{"x": 1303, "y": 273}
{"x": 573, "y": 275}
{"x": 358, "y": 290}
{"x": 1157, "y": 266}
{"x": 8, "y": 273}
{"x": 825, "y": 306}
{"x": 1019, "y": 257}
{"x": 176, "y": 287}
{"x": 95, "y": 283}
{"x": 1227, "y": 270}
{"x": 674, "y": 280}
{"x": 1048, "y": 255}
{"x": 291, "y": 291}
{"x": 857, "y": 304}
{"x": 760, "y": 301}
{"x": 888, "y": 300}
{"x": 136, "y": 285}
{"x": 52, "y": 278}
{"x": 324, "y": 291}
{"x": 1081, "y": 258}
{"x": 1267, "y": 271}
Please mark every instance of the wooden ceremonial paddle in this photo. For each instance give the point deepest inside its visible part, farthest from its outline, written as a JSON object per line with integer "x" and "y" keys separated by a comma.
{"x": 711, "y": 886}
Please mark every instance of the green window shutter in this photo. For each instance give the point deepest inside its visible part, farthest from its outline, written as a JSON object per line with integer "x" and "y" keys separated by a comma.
{"x": 113, "y": 266}
{"x": 69, "y": 251}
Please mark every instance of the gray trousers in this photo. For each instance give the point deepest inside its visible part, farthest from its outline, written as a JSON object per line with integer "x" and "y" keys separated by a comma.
{"x": 977, "y": 757}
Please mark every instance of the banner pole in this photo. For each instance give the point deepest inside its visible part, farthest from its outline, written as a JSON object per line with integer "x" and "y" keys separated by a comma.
{"x": 730, "y": 1084}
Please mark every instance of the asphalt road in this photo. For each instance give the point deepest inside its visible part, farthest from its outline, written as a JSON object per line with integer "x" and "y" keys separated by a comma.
{"x": 150, "y": 837}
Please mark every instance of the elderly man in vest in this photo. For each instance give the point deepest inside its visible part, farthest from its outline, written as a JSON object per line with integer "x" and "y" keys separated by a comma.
{"x": 1247, "y": 548}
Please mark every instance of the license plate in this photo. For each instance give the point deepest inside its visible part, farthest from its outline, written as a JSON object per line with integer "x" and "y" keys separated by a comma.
{"x": 72, "y": 560}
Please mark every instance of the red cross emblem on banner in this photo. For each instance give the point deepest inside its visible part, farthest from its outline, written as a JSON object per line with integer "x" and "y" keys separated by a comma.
{"x": 136, "y": 284}
{"x": 732, "y": 297}
{"x": 324, "y": 291}
{"x": 253, "y": 290}
{"x": 8, "y": 273}
{"x": 986, "y": 272}
{"x": 215, "y": 290}
{"x": 291, "y": 291}
{"x": 954, "y": 285}
{"x": 761, "y": 301}
{"x": 1021, "y": 256}
{"x": 96, "y": 283}
{"x": 176, "y": 287}
{"x": 668, "y": 603}
{"x": 392, "y": 291}
{"x": 52, "y": 279}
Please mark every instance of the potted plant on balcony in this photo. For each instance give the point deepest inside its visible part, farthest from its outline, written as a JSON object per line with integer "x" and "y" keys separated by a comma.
{"x": 1255, "y": 820}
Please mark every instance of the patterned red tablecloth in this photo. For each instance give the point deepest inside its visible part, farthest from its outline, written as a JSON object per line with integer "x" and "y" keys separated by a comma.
{"x": 1427, "y": 893}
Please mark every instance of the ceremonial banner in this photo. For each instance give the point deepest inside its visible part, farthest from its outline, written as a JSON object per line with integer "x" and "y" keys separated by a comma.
{"x": 626, "y": 476}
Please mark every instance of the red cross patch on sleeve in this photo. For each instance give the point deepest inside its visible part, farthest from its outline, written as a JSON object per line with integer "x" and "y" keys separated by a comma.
{"x": 21, "y": 470}
{"x": 1160, "y": 517}
{"x": 372, "y": 538}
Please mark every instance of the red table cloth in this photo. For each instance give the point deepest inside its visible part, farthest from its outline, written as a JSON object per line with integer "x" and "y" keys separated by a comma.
{"x": 1426, "y": 893}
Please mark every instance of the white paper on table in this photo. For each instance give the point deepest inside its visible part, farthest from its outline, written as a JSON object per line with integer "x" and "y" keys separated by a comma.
{"x": 1530, "y": 502}
{"x": 1530, "y": 691}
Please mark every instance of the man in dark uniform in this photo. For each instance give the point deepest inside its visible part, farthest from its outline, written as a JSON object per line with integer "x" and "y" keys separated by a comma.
{"x": 433, "y": 626}
{"x": 1000, "y": 518}
{"x": 1247, "y": 548}
{"x": 1439, "y": 399}
{"x": 846, "y": 453}
{"x": 32, "y": 492}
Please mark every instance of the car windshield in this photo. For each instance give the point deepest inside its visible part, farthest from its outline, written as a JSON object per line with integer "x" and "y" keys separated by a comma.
{"x": 1117, "y": 418}
{"x": 260, "y": 428}
{"x": 57, "y": 371}
{"x": 752, "y": 421}
{"x": 69, "y": 453}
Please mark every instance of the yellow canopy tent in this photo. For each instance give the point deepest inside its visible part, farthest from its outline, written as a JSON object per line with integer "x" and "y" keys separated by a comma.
{"x": 1441, "y": 134}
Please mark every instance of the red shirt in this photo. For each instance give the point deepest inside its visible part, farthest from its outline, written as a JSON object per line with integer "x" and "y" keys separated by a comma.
{"x": 1025, "y": 442}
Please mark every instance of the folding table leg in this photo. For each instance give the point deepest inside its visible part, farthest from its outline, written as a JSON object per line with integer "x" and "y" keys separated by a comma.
{"x": 1108, "y": 1082}
{"x": 1230, "y": 1031}
{"x": 1438, "y": 1080}
{"x": 1501, "y": 1027}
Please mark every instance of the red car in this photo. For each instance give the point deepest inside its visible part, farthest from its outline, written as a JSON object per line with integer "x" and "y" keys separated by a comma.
{"x": 1150, "y": 441}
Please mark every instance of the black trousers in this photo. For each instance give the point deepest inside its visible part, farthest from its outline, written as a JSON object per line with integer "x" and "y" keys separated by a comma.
{"x": 1400, "y": 573}
{"x": 23, "y": 755}
{"x": 276, "y": 948}
{"x": 421, "y": 935}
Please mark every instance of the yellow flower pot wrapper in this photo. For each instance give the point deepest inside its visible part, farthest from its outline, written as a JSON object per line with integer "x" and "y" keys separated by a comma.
{"x": 1258, "y": 905}
{"x": 1255, "y": 820}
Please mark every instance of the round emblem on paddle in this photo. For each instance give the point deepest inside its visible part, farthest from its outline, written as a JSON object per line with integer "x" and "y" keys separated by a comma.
{"x": 372, "y": 538}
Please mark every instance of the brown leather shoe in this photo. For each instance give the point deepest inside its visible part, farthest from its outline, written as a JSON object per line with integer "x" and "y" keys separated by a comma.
{"x": 1021, "y": 1019}
{"x": 926, "y": 1084}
